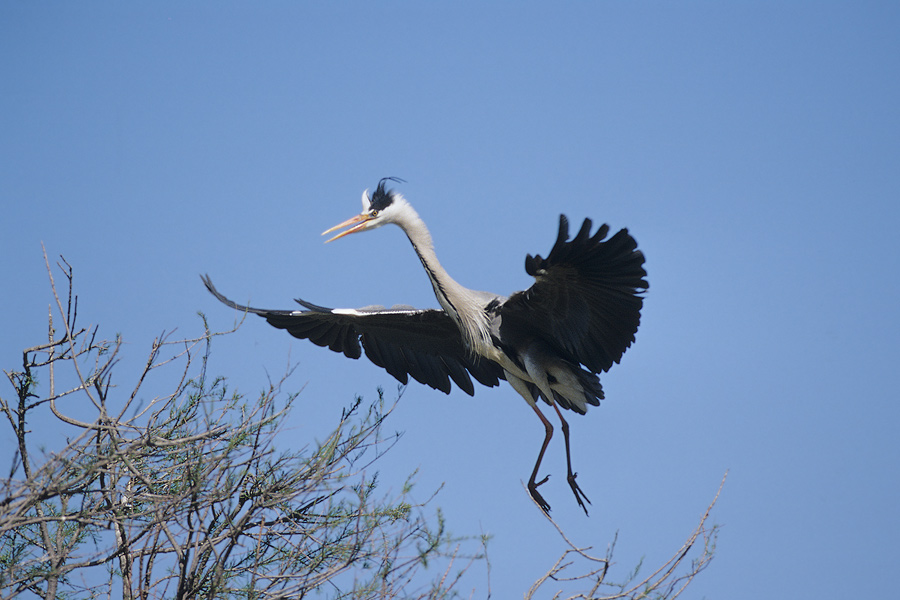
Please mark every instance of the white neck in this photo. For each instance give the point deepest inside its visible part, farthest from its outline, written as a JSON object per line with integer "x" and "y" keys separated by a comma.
{"x": 461, "y": 303}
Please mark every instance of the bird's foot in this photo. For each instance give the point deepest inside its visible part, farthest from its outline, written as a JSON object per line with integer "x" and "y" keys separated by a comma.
{"x": 536, "y": 496}
{"x": 577, "y": 491}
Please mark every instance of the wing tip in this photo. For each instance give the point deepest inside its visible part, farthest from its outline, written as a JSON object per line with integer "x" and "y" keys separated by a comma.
{"x": 207, "y": 281}
{"x": 312, "y": 307}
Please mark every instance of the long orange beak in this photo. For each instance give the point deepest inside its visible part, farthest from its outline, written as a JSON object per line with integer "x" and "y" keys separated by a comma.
{"x": 358, "y": 222}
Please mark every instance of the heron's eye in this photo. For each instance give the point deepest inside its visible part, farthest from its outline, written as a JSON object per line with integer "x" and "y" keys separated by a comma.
{"x": 374, "y": 213}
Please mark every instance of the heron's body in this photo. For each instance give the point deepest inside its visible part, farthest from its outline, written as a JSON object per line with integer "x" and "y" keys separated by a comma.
{"x": 548, "y": 342}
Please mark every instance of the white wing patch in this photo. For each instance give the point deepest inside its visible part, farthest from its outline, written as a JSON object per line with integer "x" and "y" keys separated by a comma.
{"x": 370, "y": 310}
{"x": 347, "y": 311}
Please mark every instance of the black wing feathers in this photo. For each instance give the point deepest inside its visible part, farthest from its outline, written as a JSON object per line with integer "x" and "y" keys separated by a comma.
{"x": 425, "y": 344}
{"x": 585, "y": 303}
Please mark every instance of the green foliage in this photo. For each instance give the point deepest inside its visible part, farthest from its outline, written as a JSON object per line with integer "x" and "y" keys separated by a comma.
{"x": 191, "y": 496}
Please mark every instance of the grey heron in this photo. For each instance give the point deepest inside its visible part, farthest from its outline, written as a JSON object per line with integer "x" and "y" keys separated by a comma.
{"x": 549, "y": 341}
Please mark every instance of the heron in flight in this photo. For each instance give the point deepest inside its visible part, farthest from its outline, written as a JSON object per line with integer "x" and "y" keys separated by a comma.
{"x": 549, "y": 341}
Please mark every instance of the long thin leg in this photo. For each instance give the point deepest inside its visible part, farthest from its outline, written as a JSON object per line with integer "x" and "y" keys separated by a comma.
{"x": 571, "y": 476}
{"x": 532, "y": 486}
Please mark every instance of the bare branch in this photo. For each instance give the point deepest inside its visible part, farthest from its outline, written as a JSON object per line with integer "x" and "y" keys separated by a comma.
{"x": 576, "y": 565}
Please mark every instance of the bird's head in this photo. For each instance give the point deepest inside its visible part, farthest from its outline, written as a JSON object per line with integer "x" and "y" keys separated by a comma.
{"x": 381, "y": 208}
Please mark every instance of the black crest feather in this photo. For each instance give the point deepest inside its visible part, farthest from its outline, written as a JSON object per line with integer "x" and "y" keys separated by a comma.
{"x": 382, "y": 198}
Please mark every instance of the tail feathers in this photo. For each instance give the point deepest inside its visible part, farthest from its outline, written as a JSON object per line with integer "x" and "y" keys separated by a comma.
{"x": 574, "y": 389}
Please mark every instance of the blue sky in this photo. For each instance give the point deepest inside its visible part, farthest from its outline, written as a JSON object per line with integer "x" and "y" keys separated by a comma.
{"x": 752, "y": 149}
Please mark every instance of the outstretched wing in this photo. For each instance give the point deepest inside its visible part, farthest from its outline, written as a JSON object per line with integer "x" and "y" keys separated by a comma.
{"x": 585, "y": 302}
{"x": 425, "y": 344}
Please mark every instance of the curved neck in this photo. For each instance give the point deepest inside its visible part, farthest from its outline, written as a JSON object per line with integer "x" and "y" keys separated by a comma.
{"x": 457, "y": 301}
{"x": 446, "y": 289}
